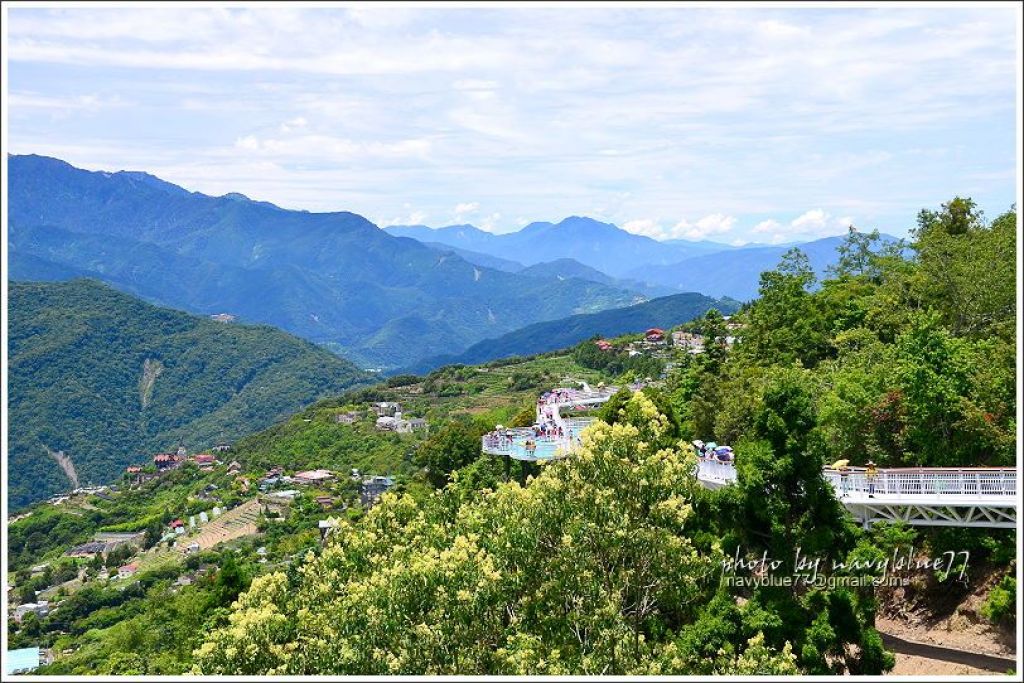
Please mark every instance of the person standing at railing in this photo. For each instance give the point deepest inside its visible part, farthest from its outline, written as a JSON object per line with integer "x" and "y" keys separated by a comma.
{"x": 871, "y": 474}
{"x": 843, "y": 467}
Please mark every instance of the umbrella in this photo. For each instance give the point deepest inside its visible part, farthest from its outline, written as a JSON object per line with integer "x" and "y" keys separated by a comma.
{"x": 711, "y": 445}
{"x": 840, "y": 464}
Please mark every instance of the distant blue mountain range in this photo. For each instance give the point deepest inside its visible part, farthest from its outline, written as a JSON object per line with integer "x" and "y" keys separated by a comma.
{"x": 602, "y": 252}
{"x": 383, "y": 298}
{"x": 332, "y": 278}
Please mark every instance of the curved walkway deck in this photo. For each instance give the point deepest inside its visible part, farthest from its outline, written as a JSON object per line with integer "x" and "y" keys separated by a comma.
{"x": 954, "y": 496}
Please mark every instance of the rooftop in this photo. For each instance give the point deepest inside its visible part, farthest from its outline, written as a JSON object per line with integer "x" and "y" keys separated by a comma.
{"x": 314, "y": 475}
{"x": 21, "y": 661}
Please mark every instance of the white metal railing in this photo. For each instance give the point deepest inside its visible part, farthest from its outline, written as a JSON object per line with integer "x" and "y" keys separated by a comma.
{"x": 715, "y": 470}
{"x": 988, "y": 481}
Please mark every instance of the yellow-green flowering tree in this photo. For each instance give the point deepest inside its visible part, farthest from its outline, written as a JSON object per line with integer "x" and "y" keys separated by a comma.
{"x": 586, "y": 570}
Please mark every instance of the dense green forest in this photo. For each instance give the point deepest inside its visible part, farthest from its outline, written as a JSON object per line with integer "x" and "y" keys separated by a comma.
{"x": 109, "y": 380}
{"x": 608, "y": 562}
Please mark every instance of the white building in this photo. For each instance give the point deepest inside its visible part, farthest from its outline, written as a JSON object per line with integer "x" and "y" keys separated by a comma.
{"x": 40, "y": 609}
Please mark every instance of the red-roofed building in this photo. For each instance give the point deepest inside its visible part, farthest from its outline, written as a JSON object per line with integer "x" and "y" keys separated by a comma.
{"x": 177, "y": 523}
{"x": 655, "y": 334}
{"x": 164, "y": 461}
{"x": 127, "y": 570}
{"x": 603, "y": 345}
{"x": 205, "y": 459}
{"x": 133, "y": 469}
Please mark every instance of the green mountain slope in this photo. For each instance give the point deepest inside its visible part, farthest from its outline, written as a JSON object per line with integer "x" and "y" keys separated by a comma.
{"x": 108, "y": 379}
{"x": 332, "y": 278}
{"x": 664, "y": 312}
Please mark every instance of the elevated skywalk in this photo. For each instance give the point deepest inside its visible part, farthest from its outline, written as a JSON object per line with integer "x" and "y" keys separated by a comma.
{"x": 954, "y": 496}
{"x": 934, "y": 496}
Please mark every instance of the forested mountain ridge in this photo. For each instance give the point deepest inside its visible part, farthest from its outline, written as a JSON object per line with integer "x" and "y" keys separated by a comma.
{"x": 109, "y": 380}
{"x": 664, "y": 312}
{"x": 331, "y": 278}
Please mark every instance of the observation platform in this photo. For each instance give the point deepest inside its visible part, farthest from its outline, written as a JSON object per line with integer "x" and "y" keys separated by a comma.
{"x": 984, "y": 497}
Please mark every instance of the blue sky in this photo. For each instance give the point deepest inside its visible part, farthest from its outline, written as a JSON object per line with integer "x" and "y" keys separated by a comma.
{"x": 735, "y": 124}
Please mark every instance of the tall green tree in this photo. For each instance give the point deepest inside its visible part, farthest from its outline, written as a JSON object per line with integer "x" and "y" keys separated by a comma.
{"x": 447, "y": 449}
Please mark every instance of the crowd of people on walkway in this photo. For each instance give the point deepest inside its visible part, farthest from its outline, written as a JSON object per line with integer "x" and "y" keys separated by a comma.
{"x": 711, "y": 451}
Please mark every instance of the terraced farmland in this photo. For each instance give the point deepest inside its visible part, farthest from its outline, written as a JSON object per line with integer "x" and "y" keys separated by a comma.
{"x": 241, "y": 521}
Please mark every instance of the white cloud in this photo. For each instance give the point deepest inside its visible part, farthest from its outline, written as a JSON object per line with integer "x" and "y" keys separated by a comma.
{"x": 466, "y": 208}
{"x": 315, "y": 146}
{"x": 713, "y": 224}
{"x": 810, "y": 221}
{"x": 766, "y": 226}
{"x": 411, "y": 218}
{"x": 489, "y": 223}
{"x": 710, "y": 225}
{"x": 647, "y": 227}
{"x": 91, "y": 102}
{"x": 638, "y": 111}
{"x": 294, "y": 124}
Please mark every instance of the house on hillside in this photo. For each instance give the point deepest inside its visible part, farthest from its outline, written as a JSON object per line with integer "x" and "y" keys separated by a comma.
{"x": 603, "y": 345}
{"x": 313, "y": 477}
{"x": 688, "y": 341}
{"x": 113, "y": 539}
{"x": 372, "y": 489}
{"x": 325, "y": 502}
{"x": 351, "y": 417}
{"x": 386, "y": 408}
{"x": 166, "y": 461}
{"x": 326, "y": 526}
{"x": 40, "y": 609}
{"x": 386, "y": 423}
{"x": 90, "y": 549}
{"x": 127, "y": 571}
{"x": 220, "y": 448}
{"x": 24, "y": 660}
{"x": 655, "y": 334}
{"x": 205, "y": 459}
{"x": 235, "y": 467}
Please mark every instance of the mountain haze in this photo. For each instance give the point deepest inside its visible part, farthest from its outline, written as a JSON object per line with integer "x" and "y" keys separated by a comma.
{"x": 736, "y": 273}
{"x": 602, "y": 246}
{"x": 332, "y": 278}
